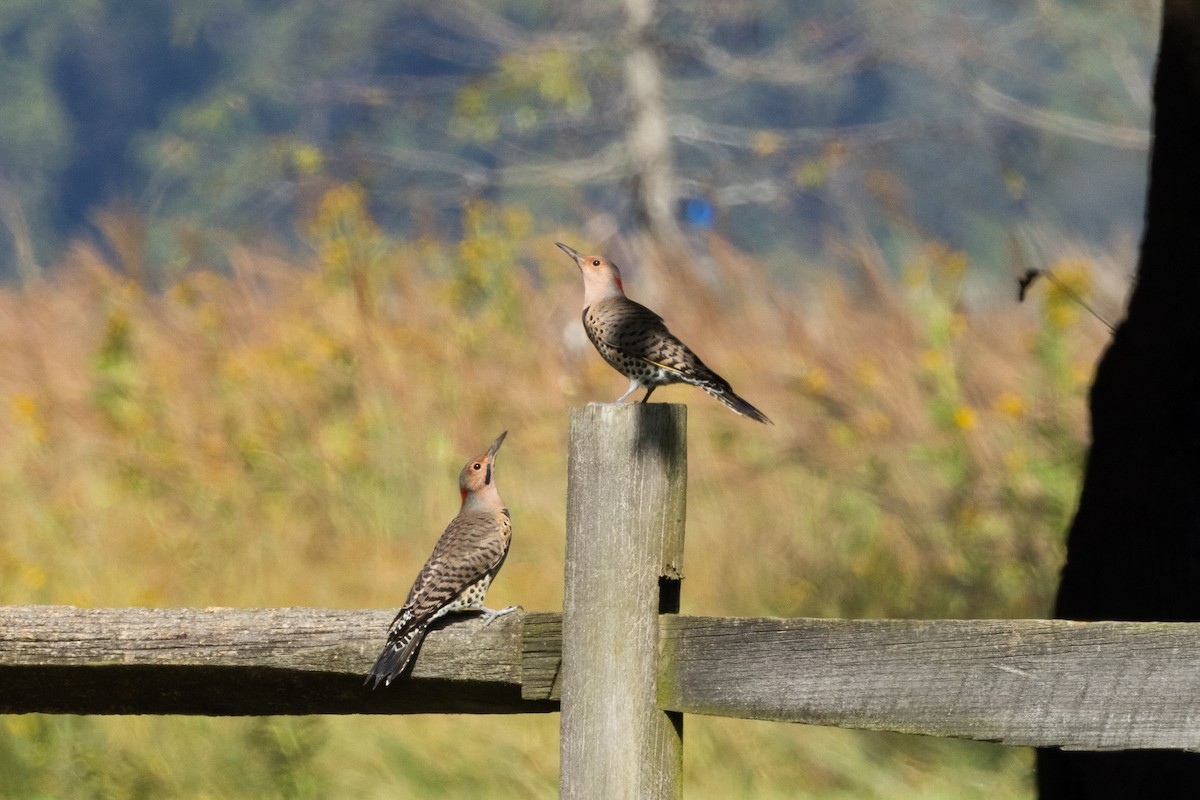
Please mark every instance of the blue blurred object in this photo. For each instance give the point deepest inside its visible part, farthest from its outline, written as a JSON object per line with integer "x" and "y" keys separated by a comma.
{"x": 699, "y": 212}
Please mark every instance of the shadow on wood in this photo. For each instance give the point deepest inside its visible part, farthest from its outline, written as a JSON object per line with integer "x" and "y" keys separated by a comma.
{"x": 61, "y": 659}
{"x": 1042, "y": 682}
{"x": 1092, "y": 686}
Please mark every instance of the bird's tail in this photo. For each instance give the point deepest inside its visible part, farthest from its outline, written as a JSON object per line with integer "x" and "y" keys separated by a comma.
{"x": 395, "y": 656}
{"x": 732, "y": 401}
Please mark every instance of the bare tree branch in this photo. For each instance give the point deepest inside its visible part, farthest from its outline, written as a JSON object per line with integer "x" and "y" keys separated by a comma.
{"x": 12, "y": 216}
{"x": 779, "y": 67}
{"x": 1009, "y": 107}
{"x": 610, "y": 163}
{"x": 693, "y": 129}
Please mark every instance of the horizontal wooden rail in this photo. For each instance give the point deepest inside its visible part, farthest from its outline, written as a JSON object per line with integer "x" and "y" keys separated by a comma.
{"x": 1047, "y": 683}
{"x": 1093, "y": 686}
{"x": 227, "y": 661}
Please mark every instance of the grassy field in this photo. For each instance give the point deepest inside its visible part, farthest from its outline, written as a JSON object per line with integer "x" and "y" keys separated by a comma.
{"x": 288, "y": 431}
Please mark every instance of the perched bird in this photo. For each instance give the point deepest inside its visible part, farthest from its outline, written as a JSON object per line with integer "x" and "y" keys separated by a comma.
{"x": 457, "y": 575}
{"x": 636, "y": 343}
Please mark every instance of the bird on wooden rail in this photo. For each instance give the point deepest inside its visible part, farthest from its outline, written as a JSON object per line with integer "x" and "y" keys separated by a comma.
{"x": 636, "y": 343}
{"x": 456, "y": 577}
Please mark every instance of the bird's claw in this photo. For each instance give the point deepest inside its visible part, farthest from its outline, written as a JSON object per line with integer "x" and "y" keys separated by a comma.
{"x": 489, "y": 615}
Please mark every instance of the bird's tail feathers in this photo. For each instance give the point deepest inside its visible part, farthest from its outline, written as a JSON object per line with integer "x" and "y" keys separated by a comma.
{"x": 395, "y": 657}
{"x": 732, "y": 401}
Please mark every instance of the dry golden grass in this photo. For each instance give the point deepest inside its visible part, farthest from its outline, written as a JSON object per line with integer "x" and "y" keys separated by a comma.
{"x": 288, "y": 433}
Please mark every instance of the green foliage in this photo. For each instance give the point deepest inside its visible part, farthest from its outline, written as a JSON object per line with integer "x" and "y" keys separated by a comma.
{"x": 284, "y": 748}
{"x": 524, "y": 89}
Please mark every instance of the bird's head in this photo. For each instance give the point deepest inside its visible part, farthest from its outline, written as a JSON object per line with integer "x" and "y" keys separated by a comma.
{"x": 601, "y": 278}
{"x": 479, "y": 475}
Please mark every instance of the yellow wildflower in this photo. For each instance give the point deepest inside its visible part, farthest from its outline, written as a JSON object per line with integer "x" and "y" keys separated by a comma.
{"x": 965, "y": 418}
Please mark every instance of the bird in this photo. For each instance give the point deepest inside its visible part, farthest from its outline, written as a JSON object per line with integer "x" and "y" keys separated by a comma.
{"x": 459, "y": 571}
{"x": 636, "y": 343}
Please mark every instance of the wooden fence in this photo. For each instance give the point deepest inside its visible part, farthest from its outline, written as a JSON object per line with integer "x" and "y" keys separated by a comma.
{"x": 620, "y": 663}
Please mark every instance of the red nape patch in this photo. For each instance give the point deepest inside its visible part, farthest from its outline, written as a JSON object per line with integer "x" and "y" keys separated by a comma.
{"x": 463, "y": 492}
{"x": 620, "y": 285}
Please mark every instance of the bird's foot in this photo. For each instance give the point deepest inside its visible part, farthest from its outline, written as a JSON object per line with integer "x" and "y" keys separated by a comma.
{"x": 633, "y": 387}
{"x": 489, "y": 615}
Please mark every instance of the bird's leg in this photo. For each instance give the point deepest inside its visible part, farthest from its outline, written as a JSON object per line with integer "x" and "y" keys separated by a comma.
{"x": 489, "y": 615}
{"x": 649, "y": 389}
{"x": 633, "y": 385}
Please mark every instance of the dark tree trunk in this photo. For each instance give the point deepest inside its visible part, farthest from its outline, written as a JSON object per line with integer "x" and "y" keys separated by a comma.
{"x": 1133, "y": 552}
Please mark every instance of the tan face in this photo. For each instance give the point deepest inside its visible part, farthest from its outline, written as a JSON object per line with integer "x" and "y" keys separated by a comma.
{"x": 479, "y": 472}
{"x": 595, "y": 269}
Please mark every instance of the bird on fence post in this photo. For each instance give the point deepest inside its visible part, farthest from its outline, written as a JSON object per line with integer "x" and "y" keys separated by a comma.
{"x": 636, "y": 343}
{"x": 456, "y": 577}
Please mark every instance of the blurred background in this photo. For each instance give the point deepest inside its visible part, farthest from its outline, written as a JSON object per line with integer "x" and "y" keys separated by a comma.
{"x": 269, "y": 272}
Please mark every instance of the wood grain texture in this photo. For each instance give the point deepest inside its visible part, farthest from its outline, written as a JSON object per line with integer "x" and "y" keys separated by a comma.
{"x": 541, "y": 657}
{"x": 626, "y": 485}
{"x": 1093, "y": 686}
{"x": 226, "y": 661}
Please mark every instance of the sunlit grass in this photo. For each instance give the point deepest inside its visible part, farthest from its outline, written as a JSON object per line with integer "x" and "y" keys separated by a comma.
{"x": 288, "y": 432}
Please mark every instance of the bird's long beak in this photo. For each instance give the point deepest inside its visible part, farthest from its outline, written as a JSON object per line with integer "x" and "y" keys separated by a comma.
{"x": 571, "y": 251}
{"x": 496, "y": 445}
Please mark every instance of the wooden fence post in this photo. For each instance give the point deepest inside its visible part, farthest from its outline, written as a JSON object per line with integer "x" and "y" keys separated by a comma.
{"x": 626, "y": 497}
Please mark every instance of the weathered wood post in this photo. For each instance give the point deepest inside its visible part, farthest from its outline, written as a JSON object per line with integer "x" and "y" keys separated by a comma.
{"x": 626, "y": 497}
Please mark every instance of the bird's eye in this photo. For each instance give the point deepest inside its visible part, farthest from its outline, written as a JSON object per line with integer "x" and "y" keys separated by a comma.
{"x": 477, "y": 466}
{"x": 596, "y": 263}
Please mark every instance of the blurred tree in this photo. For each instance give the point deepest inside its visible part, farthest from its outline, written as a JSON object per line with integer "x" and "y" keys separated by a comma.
{"x": 785, "y": 125}
{"x": 649, "y": 137}
{"x": 35, "y": 138}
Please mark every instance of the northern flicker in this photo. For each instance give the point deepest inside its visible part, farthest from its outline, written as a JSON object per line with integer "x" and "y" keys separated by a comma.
{"x": 636, "y": 343}
{"x": 457, "y": 575}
